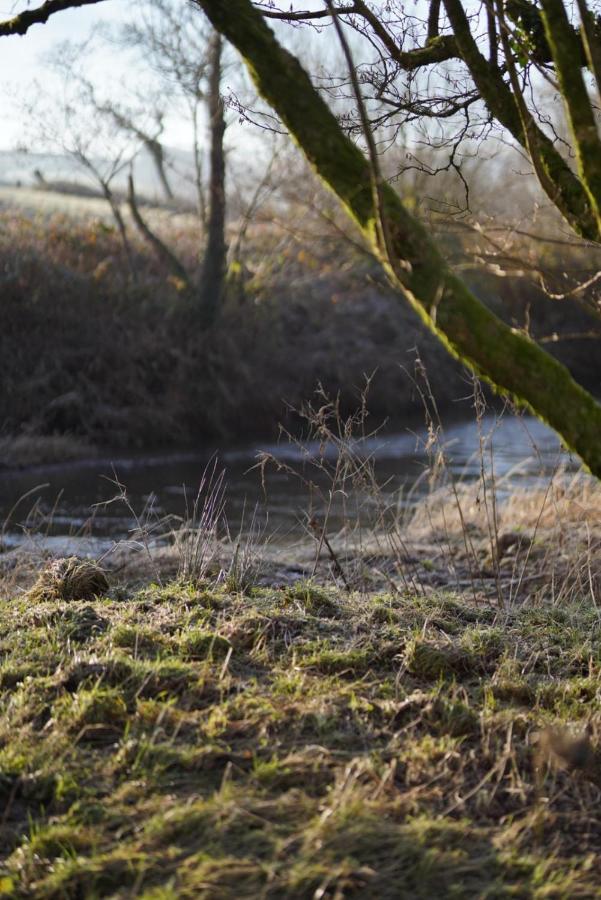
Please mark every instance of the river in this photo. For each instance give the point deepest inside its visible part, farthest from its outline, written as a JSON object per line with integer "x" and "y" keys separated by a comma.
{"x": 70, "y": 501}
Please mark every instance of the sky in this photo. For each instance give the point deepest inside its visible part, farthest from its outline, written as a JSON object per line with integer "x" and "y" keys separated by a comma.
{"x": 22, "y": 58}
{"x": 22, "y": 62}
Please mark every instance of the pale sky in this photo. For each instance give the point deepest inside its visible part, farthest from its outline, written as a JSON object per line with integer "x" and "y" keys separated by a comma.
{"x": 22, "y": 58}
{"x": 22, "y": 62}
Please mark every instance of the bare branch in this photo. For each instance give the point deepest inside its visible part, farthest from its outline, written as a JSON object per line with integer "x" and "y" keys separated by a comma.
{"x": 21, "y": 23}
{"x": 304, "y": 15}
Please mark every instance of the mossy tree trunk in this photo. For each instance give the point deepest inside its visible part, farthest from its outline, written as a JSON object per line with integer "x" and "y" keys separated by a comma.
{"x": 565, "y": 45}
{"x": 507, "y": 358}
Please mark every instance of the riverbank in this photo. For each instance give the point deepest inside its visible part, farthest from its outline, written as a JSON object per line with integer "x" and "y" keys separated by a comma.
{"x": 95, "y": 356}
{"x": 402, "y": 713}
{"x": 101, "y": 354}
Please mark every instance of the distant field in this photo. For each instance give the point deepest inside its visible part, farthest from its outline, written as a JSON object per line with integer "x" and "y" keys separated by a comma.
{"x": 52, "y": 202}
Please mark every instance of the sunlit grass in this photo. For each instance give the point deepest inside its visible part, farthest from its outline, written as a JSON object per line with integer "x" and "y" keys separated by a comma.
{"x": 290, "y": 743}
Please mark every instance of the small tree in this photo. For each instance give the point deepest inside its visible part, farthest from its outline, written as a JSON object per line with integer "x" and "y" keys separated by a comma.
{"x": 71, "y": 121}
{"x": 187, "y": 56}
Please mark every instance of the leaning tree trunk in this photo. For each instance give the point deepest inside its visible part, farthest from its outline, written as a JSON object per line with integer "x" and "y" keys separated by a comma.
{"x": 157, "y": 154}
{"x": 214, "y": 264}
{"x": 507, "y": 358}
{"x": 161, "y": 249}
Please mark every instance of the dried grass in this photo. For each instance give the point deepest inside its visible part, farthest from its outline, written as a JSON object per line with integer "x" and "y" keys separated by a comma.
{"x": 69, "y": 579}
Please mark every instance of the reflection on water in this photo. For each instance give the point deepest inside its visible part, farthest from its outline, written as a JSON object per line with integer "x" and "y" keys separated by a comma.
{"x": 525, "y": 451}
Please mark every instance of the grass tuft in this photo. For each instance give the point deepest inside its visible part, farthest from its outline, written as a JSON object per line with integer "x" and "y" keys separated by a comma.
{"x": 69, "y": 579}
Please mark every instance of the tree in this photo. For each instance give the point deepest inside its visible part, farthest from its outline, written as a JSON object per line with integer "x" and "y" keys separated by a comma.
{"x": 148, "y": 138}
{"x": 512, "y": 362}
{"x": 215, "y": 257}
{"x": 96, "y": 129}
{"x": 176, "y": 43}
{"x": 73, "y": 122}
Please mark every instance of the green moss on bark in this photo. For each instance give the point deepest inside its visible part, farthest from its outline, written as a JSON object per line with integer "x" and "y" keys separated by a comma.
{"x": 566, "y": 49}
{"x": 557, "y": 179}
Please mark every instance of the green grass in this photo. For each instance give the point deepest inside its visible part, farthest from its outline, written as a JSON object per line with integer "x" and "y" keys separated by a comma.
{"x": 297, "y": 743}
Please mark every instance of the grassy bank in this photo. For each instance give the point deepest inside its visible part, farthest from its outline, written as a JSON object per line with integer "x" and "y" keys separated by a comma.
{"x": 433, "y": 730}
{"x": 96, "y": 354}
{"x": 92, "y": 355}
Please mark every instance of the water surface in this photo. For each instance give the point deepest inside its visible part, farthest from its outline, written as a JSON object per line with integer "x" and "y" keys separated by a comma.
{"x": 70, "y": 499}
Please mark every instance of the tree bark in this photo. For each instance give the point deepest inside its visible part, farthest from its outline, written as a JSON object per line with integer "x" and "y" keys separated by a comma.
{"x": 155, "y": 148}
{"x": 565, "y": 45}
{"x": 562, "y": 186}
{"x": 507, "y": 358}
{"x": 214, "y": 265}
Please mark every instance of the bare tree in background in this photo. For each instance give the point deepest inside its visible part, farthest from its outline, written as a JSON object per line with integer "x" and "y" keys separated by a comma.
{"x": 185, "y": 58}
{"x": 215, "y": 258}
{"x": 173, "y": 41}
{"x": 188, "y": 58}
{"x": 148, "y": 137}
{"x": 70, "y": 121}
